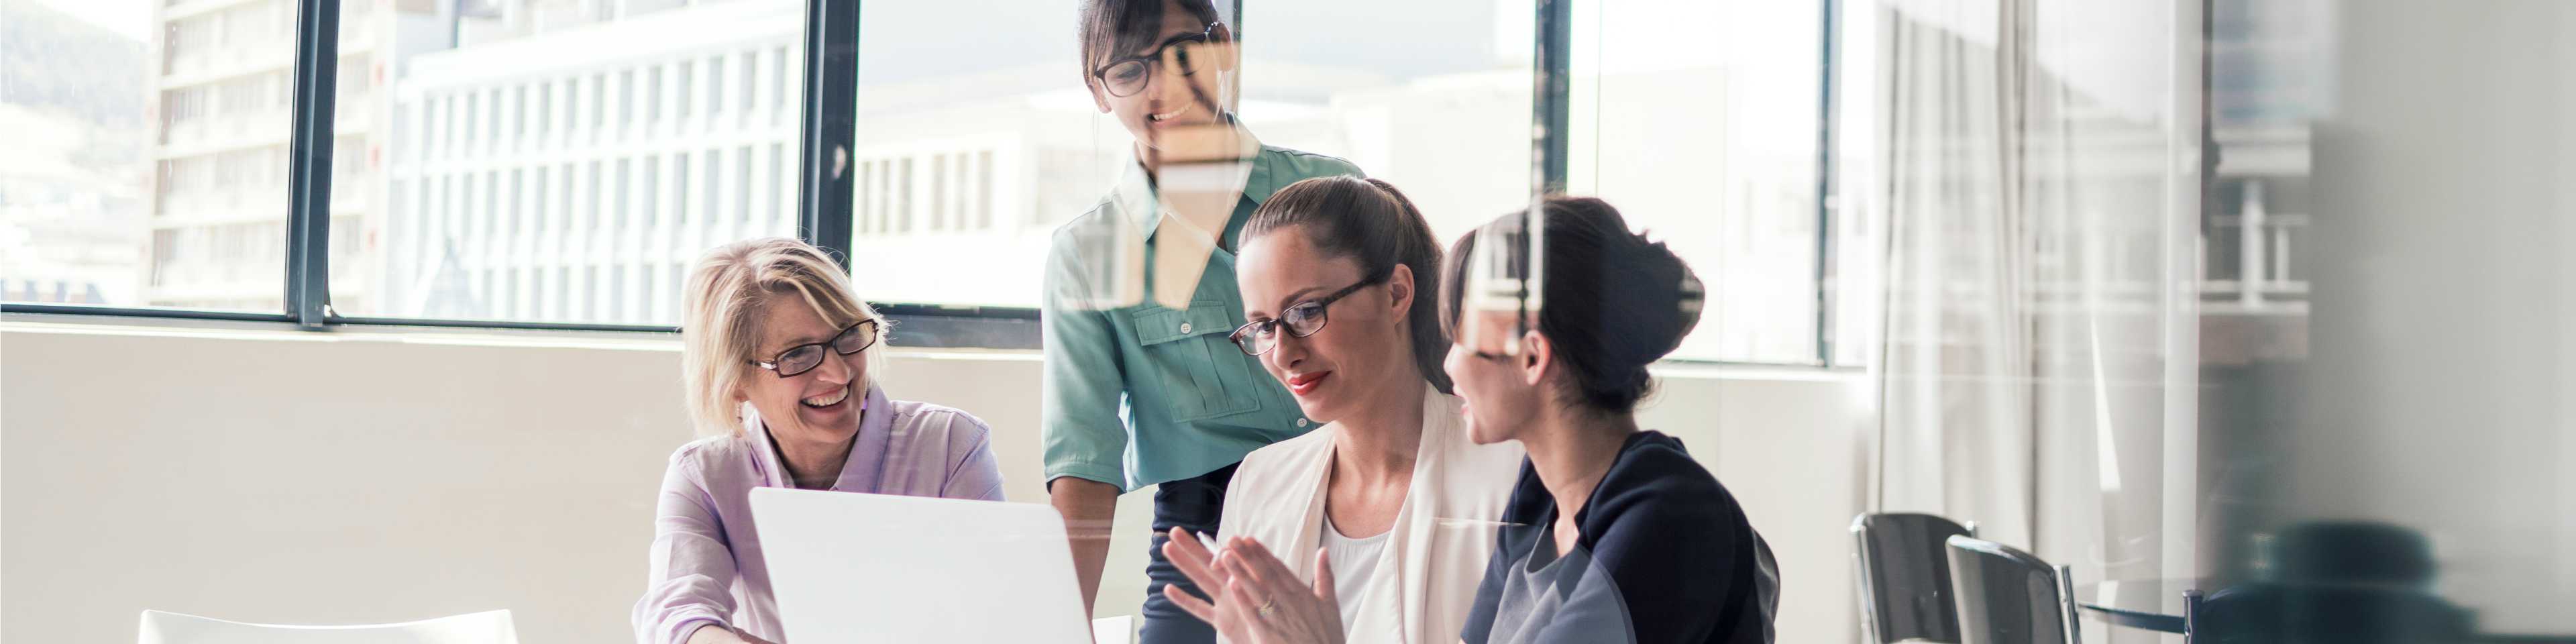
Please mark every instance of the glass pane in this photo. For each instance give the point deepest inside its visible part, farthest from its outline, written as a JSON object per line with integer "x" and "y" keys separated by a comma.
{"x": 146, "y": 155}
{"x": 984, "y": 151}
{"x": 970, "y": 151}
{"x": 1698, "y": 121}
{"x": 1433, "y": 97}
{"x": 557, "y": 161}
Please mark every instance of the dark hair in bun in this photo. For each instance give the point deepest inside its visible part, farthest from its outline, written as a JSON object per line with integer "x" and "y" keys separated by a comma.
{"x": 1370, "y": 221}
{"x": 1609, "y": 301}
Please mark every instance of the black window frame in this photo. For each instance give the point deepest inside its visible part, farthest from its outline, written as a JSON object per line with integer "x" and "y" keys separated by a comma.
{"x": 828, "y": 128}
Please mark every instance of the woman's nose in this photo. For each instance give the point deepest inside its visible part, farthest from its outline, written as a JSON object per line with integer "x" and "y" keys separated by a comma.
{"x": 1287, "y": 350}
{"x": 837, "y": 368}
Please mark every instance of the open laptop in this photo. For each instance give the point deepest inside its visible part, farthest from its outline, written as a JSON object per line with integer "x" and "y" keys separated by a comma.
{"x": 850, "y": 567}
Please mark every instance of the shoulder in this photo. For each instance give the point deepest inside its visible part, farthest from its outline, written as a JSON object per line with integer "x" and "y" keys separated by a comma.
{"x": 1101, "y": 221}
{"x": 703, "y": 462}
{"x": 709, "y": 450}
{"x": 941, "y": 423}
{"x": 1273, "y": 460}
{"x": 1305, "y": 165}
{"x": 1656, "y": 487}
{"x": 1654, "y": 474}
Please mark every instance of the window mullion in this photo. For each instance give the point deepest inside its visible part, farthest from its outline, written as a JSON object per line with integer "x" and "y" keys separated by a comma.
{"x": 308, "y": 227}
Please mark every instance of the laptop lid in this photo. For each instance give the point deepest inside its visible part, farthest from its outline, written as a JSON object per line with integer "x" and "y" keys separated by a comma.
{"x": 851, "y": 567}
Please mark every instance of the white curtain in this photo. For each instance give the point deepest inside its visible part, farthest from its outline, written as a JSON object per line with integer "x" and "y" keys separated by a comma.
{"x": 2039, "y": 173}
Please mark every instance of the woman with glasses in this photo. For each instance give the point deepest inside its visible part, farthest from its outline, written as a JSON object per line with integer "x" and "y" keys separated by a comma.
{"x": 1390, "y": 500}
{"x": 775, "y": 352}
{"x": 1140, "y": 387}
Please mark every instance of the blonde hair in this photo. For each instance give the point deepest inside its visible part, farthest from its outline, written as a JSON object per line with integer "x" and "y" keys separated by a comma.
{"x": 723, "y": 302}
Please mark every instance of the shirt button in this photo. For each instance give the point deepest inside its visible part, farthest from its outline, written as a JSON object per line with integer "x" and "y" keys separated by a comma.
{"x": 1185, "y": 327}
{"x": 1301, "y": 422}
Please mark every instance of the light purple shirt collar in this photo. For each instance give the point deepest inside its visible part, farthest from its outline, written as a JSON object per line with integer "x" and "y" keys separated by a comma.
{"x": 863, "y": 472}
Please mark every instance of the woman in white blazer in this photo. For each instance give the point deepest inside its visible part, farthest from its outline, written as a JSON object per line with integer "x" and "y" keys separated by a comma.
{"x": 1392, "y": 502}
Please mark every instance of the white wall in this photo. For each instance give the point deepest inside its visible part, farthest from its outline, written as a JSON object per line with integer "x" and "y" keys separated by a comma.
{"x": 350, "y": 477}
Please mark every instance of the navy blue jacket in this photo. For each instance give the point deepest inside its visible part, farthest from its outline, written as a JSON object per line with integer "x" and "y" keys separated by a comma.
{"x": 1681, "y": 560}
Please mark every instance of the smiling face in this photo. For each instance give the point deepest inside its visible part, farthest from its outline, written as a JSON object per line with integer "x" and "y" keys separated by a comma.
{"x": 1169, "y": 103}
{"x": 1361, "y": 358}
{"x": 1504, "y": 394}
{"x": 817, "y": 406}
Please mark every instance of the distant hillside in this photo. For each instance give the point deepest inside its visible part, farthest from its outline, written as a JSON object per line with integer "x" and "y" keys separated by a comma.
{"x": 53, "y": 62}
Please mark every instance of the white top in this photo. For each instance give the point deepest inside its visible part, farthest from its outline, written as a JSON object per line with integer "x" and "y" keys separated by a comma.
{"x": 1428, "y": 565}
{"x": 1353, "y": 561}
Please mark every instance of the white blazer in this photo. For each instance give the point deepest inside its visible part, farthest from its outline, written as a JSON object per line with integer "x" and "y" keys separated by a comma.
{"x": 1425, "y": 579}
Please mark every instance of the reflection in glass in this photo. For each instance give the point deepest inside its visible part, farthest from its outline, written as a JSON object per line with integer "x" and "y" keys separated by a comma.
{"x": 577, "y": 103}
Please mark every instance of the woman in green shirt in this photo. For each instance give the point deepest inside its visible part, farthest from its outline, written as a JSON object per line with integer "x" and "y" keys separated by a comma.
{"x": 1141, "y": 385}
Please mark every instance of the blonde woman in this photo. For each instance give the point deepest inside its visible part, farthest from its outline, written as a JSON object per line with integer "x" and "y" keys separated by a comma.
{"x": 776, "y": 352}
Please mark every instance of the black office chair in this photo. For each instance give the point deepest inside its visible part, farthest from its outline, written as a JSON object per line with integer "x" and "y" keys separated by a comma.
{"x": 1904, "y": 571}
{"x": 2006, "y": 596}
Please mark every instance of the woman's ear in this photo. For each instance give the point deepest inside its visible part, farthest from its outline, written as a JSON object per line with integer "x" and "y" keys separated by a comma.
{"x": 1228, "y": 52}
{"x": 1538, "y": 358}
{"x": 1399, "y": 287}
{"x": 1099, "y": 99}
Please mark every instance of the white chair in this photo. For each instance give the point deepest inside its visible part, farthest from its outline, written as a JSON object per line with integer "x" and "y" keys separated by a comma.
{"x": 488, "y": 627}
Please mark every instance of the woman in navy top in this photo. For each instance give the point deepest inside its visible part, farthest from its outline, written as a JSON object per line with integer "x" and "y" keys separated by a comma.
{"x": 1613, "y": 534}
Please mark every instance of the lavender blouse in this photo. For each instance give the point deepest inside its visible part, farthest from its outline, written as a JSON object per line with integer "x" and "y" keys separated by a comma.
{"x": 706, "y": 561}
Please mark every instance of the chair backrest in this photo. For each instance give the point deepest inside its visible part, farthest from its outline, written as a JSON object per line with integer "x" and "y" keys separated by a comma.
{"x": 2007, "y": 596}
{"x": 489, "y": 627}
{"x": 1905, "y": 576}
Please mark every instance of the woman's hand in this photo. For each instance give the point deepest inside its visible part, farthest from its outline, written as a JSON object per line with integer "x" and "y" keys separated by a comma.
{"x": 1196, "y": 562}
{"x": 1272, "y": 605}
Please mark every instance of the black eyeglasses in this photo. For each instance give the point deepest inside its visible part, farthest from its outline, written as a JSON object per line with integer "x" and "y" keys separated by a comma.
{"x": 1303, "y": 319}
{"x": 797, "y": 360}
{"x": 1126, "y": 76}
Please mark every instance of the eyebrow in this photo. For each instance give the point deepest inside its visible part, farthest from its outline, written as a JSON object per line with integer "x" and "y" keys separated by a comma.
{"x": 1148, "y": 52}
{"x": 1299, "y": 297}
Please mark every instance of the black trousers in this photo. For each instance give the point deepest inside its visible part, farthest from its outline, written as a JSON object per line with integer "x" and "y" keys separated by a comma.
{"x": 1194, "y": 504}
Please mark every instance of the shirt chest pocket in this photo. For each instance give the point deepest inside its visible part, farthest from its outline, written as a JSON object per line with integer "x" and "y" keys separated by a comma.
{"x": 1201, "y": 373}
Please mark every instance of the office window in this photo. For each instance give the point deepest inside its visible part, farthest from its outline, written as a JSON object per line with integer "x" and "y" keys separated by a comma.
{"x": 778, "y": 91}
{"x": 652, "y": 196}
{"x": 707, "y": 211}
{"x": 537, "y": 199}
{"x": 1711, "y": 149}
{"x": 559, "y": 304}
{"x": 626, "y": 98}
{"x": 653, "y": 95}
{"x": 625, "y": 192}
{"x": 688, "y": 93}
{"x": 519, "y": 114}
{"x": 750, "y": 89}
{"x": 473, "y": 130}
{"x": 616, "y": 295}
{"x": 564, "y": 179}
{"x": 680, "y": 187}
{"x": 782, "y": 192}
{"x": 743, "y": 188}
{"x": 510, "y": 302}
{"x": 523, "y": 127}
{"x": 597, "y": 93}
{"x": 489, "y": 218}
{"x": 545, "y": 112}
{"x": 592, "y": 188}
{"x": 716, "y": 84}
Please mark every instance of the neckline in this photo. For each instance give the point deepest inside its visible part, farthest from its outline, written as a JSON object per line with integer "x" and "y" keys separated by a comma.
{"x": 1334, "y": 533}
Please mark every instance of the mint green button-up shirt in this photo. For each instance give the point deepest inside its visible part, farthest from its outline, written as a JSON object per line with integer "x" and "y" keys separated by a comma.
{"x": 1137, "y": 393}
